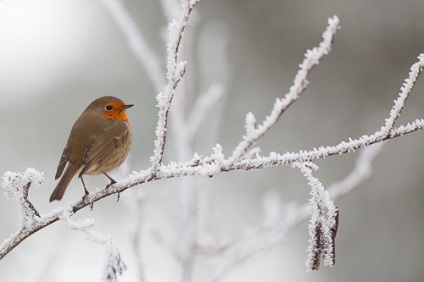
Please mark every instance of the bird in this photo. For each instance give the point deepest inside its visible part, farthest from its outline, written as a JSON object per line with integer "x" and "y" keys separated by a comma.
{"x": 99, "y": 142}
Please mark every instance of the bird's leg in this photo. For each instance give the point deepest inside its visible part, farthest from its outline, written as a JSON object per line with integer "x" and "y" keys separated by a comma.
{"x": 112, "y": 181}
{"x": 86, "y": 193}
{"x": 85, "y": 189}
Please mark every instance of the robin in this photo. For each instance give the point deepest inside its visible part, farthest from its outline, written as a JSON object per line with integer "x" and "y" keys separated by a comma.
{"x": 98, "y": 143}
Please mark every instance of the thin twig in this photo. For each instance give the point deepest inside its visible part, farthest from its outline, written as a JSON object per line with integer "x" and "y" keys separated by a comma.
{"x": 312, "y": 59}
{"x": 175, "y": 72}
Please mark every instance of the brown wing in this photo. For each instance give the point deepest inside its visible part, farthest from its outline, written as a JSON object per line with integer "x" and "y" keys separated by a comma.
{"x": 104, "y": 145}
{"x": 62, "y": 162}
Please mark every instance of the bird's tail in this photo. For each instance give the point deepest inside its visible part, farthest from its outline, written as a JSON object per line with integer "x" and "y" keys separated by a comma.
{"x": 58, "y": 192}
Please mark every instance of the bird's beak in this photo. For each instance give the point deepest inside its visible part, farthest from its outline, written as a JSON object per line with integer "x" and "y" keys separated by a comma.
{"x": 124, "y": 107}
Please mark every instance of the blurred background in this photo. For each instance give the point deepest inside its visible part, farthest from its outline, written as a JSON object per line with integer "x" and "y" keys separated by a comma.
{"x": 56, "y": 56}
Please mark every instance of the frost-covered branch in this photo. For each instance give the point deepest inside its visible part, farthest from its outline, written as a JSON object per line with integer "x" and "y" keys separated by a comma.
{"x": 275, "y": 159}
{"x": 175, "y": 71}
{"x": 312, "y": 59}
{"x": 323, "y": 223}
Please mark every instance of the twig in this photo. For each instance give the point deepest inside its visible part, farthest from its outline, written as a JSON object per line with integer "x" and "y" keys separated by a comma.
{"x": 343, "y": 147}
{"x": 312, "y": 59}
{"x": 175, "y": 72}
{"x": 323, "y": 223}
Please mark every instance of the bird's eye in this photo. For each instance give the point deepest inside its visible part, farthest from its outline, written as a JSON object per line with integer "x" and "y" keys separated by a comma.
{"x": 108, "y": 107}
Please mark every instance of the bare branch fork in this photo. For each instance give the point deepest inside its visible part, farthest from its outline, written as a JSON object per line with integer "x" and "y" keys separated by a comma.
{"x": 244, "y": 157}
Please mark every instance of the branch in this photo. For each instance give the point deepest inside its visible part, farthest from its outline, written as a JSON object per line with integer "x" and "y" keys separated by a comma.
{"x": 343, "y": 147}
{"x": 312, "y": 59}
{"x": 323, "y": 223}
{"x": 175, "y": 72}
